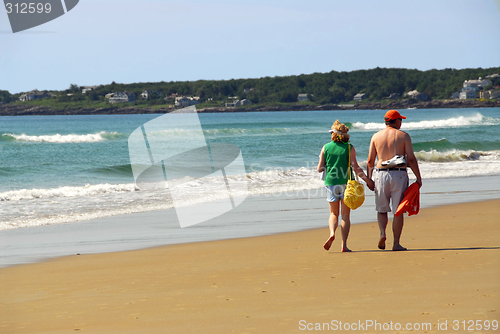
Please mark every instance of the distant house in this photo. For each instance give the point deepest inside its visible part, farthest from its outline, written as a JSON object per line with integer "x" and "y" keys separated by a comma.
{"x": 455, "y": 95}
{"x": 184, "y": 101}
{"x": 412, "y": 93}
{"x": 493, "y": 76}
{"x": 86, "y": 89}
{"x": 360, "y": 97}
{"x": 121, "y": 97}
{"x": 470, "y": 88}
{"x": 415, "y": 94}
{"x": 150, "y": 93}
{"x": 480, "y": 82}
{"x": 238, "y": 103}
{"x": 468, "y": 94}
{"x": 35, "y": 94}
{"x": 303, "y": 97}
{"x": 394, "y": 96}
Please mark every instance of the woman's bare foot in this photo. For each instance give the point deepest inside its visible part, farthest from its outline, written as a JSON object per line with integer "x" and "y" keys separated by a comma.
{"x": 398, "y": 248}
{"x": 328, "y": 243}
{"x": 381, "y": 242}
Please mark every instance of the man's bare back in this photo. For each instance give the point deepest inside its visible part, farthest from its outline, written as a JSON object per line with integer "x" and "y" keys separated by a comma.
{"x": 383, "y": 143}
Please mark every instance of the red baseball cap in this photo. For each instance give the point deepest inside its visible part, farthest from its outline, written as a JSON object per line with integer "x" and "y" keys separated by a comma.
{"x": 392, "y": 115}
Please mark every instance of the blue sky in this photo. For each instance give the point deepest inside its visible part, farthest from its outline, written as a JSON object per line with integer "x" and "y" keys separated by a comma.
{"x": 130, "y": 41}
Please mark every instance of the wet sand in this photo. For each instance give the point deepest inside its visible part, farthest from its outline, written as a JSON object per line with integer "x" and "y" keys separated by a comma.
{"x": 282, "y": 283}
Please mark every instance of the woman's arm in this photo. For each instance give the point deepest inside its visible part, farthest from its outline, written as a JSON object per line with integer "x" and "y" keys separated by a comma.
{"x": 321, "y": 163}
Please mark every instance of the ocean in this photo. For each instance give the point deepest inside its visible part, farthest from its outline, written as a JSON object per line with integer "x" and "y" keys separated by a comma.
{"x": 62, "y": 169}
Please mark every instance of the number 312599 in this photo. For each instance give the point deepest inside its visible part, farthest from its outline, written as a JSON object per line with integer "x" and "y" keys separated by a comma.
{"x": 28, "y": 8}
{"x": 477, "y": 325}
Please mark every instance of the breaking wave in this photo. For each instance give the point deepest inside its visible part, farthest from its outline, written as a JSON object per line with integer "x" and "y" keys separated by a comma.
{"x": 454, "y": 122}
{"x": 63, "y": 139}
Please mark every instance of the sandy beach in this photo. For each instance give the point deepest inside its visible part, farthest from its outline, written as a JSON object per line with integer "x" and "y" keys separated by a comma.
{"x": 282, "y": 283}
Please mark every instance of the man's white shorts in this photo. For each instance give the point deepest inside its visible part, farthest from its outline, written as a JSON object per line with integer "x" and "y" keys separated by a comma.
{"x": 389, "y": 184}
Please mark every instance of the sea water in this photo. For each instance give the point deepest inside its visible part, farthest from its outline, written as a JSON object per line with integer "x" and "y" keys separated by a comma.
{"x": 61, "y": 169}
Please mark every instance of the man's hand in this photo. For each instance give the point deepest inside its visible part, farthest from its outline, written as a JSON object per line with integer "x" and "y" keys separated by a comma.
{"x": 370, "y": 184}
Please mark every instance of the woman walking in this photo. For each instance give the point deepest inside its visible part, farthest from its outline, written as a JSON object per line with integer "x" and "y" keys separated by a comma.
{"x": 334, "y": 160}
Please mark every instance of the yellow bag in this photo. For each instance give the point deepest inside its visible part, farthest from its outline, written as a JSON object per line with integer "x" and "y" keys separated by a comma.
{"x": 354, "y": 194}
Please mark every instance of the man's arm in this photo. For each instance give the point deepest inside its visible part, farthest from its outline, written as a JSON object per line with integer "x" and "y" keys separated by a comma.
{"x": 372, "y": 154}
{"x": 411, "y": 159}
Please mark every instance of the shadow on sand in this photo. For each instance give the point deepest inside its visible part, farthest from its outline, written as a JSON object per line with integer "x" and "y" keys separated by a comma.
{"x": 425, "y": 249}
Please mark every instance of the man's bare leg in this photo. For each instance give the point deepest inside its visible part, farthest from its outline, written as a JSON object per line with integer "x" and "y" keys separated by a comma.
{"x": 382, "y": 225}
{"x": 333, "y": 223}
{"x": 345, "y": 226}
{"x": 397, "y": 229}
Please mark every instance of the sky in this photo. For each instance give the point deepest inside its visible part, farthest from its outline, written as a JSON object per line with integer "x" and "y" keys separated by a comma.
{"x": 129, "y": 41}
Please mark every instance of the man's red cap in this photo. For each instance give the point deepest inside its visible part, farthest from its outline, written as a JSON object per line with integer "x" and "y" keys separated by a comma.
{"x": 392, "y": 115}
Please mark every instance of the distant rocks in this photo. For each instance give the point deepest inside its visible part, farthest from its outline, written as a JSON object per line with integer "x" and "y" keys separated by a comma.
{"x": 18, "y": 109}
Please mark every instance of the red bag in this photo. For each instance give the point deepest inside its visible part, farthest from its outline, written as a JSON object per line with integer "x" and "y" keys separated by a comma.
{"x": 411, "y": 201}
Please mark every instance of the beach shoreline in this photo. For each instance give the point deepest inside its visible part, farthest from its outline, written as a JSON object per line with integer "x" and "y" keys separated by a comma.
{"x": 276, "y": 283}
{"x": 34, "y": 110}
{"x": 258, "y": 215}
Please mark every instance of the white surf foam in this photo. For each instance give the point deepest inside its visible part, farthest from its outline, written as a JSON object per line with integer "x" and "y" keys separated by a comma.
{"x": 58, "y": 138}
{"x": 454, "y": 122}
{"x": 456, "y": 155}
{"x": 34, "y": 207}
{"x": 87, "y": 190}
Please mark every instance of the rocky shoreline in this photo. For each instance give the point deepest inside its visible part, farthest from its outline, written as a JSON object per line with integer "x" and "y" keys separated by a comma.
{"x": 18, "y": 109}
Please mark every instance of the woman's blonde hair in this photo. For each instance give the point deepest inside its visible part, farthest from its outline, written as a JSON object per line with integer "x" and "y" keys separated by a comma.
{"x": 340, "y": 127}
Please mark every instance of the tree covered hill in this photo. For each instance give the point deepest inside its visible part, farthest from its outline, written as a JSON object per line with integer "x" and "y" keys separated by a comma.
{"x": 323, "y": 88}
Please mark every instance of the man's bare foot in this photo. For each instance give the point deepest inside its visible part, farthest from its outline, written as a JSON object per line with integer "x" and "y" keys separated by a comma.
{"x": 381, "y": 242}
{"x": 345, "y": 249}
{"x": 328, "y": 243}
{"x": 398, "y": 248}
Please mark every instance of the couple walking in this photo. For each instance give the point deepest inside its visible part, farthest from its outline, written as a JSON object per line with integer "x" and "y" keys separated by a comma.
{"x": 391, "y": 149}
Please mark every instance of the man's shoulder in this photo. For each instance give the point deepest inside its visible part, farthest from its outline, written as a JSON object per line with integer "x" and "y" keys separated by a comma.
{"x": 405, "y": 135}
{"x": 378, "y": 134}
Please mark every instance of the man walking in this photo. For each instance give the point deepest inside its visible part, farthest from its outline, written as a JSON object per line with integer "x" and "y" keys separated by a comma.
{"x": 394, "y": 152}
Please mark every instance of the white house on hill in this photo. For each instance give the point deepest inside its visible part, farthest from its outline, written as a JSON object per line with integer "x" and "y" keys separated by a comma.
{"x": 480, "y": 82}
{"x": 238, "y": 103}
{"x": 35, "y": 94}
{"x": 303, "y": 97}
{"x": 468, "y": 94}
{"x": 120, "y": 97}
{"x": 184, "y": 101}
{"x": 360, "y": 97}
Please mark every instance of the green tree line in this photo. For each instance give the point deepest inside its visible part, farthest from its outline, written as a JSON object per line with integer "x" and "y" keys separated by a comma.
{"x": 323, "y": 88}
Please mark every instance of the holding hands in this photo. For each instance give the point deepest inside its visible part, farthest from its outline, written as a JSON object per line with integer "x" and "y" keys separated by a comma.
{"x": 370, "y": 184}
